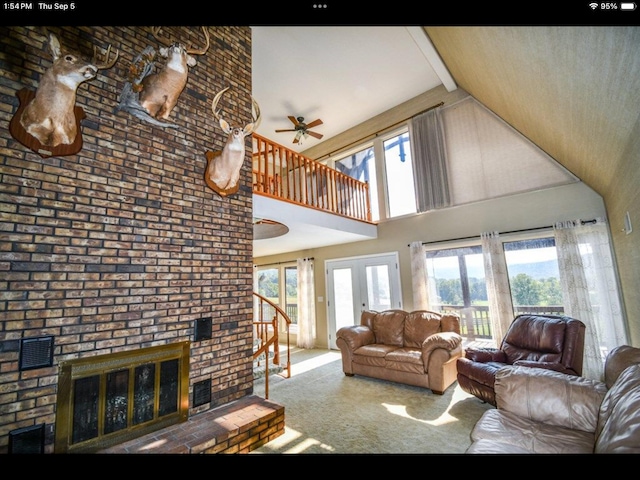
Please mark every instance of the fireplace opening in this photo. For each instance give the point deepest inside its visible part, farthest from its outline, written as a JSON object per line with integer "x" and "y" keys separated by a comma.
{"x": 108, "y": 399}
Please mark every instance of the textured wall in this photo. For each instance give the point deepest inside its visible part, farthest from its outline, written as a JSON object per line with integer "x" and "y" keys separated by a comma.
{"x": 123, "y": 245}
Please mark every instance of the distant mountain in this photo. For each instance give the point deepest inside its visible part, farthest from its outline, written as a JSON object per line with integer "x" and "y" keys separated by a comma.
{"x": 536, "y": 270}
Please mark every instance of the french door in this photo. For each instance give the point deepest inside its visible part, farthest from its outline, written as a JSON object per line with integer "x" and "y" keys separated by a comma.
{"x": 357, "y": 284}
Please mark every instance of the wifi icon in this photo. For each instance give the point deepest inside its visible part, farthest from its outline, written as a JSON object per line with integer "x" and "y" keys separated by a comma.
{"x": 593, "y": 5}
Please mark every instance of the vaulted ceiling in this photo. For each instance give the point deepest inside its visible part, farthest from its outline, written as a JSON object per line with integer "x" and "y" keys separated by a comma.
{"x": 573, "y": 91}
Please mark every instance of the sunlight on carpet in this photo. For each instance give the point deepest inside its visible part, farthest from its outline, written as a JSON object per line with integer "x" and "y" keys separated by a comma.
{"x": 328, "y": 412}
{"x": 315, "y": 362}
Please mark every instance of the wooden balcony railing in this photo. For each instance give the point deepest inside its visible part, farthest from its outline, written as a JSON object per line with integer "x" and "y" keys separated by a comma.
{"x": 288, "y": 176}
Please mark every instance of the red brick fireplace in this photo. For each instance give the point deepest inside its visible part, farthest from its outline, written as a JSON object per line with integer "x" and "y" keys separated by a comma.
{"x": 122, "y": 246}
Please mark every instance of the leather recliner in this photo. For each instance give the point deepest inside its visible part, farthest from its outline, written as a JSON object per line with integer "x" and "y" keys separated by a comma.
{"x": 554, "y": 342}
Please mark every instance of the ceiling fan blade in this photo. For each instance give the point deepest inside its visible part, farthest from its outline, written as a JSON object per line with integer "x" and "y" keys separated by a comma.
{"x": 314, "y": 134}
{"x": 291, "y": 130}
{"x": 315, "y": 123}
{"x": 294, "y": 120}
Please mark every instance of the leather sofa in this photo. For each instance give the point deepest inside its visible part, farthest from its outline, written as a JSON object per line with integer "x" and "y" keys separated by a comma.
{"x": 553, "y": 342}
{"x": 544, "y": 411}
{"x": 417, "y": 348}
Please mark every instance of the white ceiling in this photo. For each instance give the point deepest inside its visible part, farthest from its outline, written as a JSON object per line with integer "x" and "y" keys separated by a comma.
{"x": 343, "y": 75}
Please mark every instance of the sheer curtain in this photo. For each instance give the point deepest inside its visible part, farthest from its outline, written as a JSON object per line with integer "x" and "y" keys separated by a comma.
{"x": 429, "y": 161}
{"x": 590, "y": 289}
{"x": 419, "y": 277}
{"x": 498, "y": 290}
{"x": 306, "y": 304}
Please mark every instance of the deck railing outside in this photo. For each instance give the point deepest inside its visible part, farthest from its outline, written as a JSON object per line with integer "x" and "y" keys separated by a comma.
{"x": 291, "y": 177}
{"x": 476, "y": 324}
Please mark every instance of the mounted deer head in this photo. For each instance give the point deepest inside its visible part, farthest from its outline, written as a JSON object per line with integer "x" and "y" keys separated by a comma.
{"x": 223, "y": 170}
{"x": 50, "y": 116}
{"x": 160, "y": 91}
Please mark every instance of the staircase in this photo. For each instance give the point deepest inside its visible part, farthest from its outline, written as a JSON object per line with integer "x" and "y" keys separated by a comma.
{"x": 266, "y": 343}
{"x": 260, "y": 362}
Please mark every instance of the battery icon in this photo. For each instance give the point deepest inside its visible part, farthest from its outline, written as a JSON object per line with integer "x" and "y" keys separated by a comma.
{"x": 628, "y": 6}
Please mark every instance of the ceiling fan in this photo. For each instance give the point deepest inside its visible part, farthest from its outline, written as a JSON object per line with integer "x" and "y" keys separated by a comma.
{"x": 302, "y": 129}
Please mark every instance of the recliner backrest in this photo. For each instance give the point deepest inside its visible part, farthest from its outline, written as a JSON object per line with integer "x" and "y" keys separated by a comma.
{"x": 545, "y": 338}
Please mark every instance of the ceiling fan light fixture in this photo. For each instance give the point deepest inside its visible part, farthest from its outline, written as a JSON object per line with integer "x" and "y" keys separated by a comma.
{"x": 302, "y": 129}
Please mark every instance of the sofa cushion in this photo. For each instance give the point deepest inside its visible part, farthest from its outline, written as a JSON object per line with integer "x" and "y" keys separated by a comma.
{"x": 521, "y": 434}
{"x": 418, "y": 326}
{"x": 405, "y": 360}
{"x": 388, "y": 327}
{"x": 619, "y": 423}
{"x": 486, "y": 446}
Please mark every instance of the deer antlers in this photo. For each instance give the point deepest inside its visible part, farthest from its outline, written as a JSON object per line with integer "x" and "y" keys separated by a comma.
{"x": 223, "y": 168}
{"x": 155, "y": 31}
{"x": 250, "y": 127}
{"x": 108, "y": 64}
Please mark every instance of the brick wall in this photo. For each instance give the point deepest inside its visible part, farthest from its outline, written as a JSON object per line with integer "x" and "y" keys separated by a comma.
{"x": 123, "y": 245}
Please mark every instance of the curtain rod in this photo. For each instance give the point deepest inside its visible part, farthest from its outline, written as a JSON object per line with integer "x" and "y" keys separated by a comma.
{"x": 280, "y": 263}
{"x": 375, "y": 134}
{"x": 582, "y": 222}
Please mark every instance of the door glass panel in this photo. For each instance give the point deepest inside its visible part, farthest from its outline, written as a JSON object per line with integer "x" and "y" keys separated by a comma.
{"x": 378, "y": 287}
{"x": 343, "y": 290}
{"x": 291, "y": 293}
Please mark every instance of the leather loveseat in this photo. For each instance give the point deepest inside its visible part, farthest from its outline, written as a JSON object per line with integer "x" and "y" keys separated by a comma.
{"x": 417, "y": 348}
{"x": 544, "y": 411}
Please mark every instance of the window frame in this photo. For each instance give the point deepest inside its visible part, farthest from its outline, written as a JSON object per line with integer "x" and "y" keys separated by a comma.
{"x": 382, "y": 183}
{"x": 282, "y": 287}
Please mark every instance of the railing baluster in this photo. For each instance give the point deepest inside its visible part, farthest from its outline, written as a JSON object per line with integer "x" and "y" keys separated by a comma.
{"x": 284, "y": 174}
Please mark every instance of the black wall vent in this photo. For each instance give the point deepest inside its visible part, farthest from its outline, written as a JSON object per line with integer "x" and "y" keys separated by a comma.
{"x": 27, "y": 440}
{"x": 201, "y": 392}
{"x": 202, "y": 329}
{"x": 36, "y": 353}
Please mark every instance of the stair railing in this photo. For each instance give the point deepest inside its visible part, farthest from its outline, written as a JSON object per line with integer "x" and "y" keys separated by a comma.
{"x": 266, "y": 332}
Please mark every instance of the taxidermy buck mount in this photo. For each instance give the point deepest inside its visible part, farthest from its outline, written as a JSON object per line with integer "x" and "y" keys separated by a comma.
{"x": 152, "y": 96}
{"x": 223, "y": 168}
{"x": 48, "y": 121}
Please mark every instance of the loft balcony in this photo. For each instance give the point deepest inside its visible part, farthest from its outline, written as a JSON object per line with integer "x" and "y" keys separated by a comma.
{"x": 319, "y": 206}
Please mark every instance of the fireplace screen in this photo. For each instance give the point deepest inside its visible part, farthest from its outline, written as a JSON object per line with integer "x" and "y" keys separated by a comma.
{"x": 111, "y": 398}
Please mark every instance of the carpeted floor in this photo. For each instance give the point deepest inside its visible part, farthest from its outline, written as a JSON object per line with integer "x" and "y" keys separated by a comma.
{"x": 328, "y": 412}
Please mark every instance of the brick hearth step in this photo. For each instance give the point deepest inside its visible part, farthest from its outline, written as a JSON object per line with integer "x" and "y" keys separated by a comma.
{"x": 236, "y": 427}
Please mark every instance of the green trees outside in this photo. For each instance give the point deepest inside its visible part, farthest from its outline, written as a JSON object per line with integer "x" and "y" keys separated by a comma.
{"x": 525, "y": 290}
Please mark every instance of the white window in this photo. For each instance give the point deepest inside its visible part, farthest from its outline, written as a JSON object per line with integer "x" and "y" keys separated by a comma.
{"x": 361, "y": 165}
{"x": 279, "y": 284}
{"x": 456, "y": 280}
{"x": 401, "y": 196}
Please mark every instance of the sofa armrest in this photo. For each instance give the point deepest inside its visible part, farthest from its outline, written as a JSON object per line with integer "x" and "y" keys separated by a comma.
{"x": 355, "y": 336}
{"x": 550, "y": 397}
{"x": 555, "y": 366}
{"x": 486, "y": 355}
{"x": 449, "y": 341}
{"x": 446, "y": 340}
